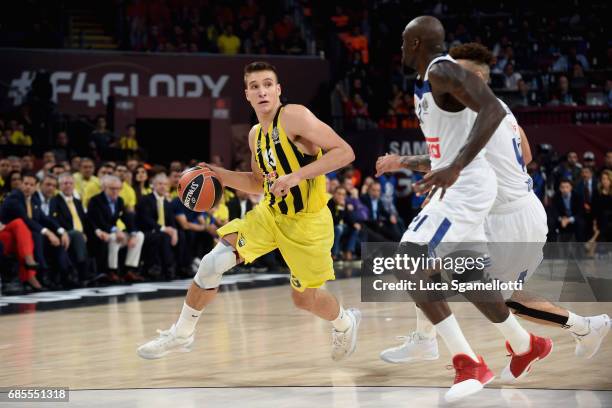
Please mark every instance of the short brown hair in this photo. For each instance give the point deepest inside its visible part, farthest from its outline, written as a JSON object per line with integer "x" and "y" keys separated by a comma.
{"x": 475, "y": 52}
{"x": 258, "y": 66}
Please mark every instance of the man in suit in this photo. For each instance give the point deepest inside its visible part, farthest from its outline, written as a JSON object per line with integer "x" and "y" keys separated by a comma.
{"x": 68, "y": 212}
{"x": 103, "y": 212}
{"x": 50, "y": 239}
{"x": 239, "y": 205}
{"x": 568, "y": 213}
{"x": 156, "y": 218}
{"x": 47, "y": 190}
{"x": 588, "y": 192}
{"x": 381, "y": 221}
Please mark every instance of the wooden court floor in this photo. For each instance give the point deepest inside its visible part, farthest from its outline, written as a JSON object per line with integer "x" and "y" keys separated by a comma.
{"x": 256, "y": 338}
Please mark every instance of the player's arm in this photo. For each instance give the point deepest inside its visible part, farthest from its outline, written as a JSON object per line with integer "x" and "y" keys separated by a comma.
{"x": 298, "y": 120}
{"x": 475, "y": 94}
{"x": 247, "y": 181}
{"x": 393, "y": 162}
{"x": 525, "y": 149}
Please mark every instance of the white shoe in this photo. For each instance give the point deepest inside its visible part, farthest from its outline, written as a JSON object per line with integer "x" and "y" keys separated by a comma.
{"x": 344, "y": 343}
{"x": 167, "y": 342}
{"x": 416, "y": 347}
{"x": 587, "y": 345}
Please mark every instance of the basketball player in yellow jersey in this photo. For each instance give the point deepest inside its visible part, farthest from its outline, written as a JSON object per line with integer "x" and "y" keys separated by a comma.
{"x": 291, "y": 151}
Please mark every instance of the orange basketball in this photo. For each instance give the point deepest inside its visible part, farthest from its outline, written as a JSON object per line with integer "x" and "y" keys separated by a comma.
{"x": 199, "y": 188}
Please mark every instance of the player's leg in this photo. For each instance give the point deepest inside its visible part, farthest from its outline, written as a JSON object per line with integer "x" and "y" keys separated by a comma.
{"x": 588, "y": 332}
{"x": 345, "y": 322}
{"x": 201, "y": 292}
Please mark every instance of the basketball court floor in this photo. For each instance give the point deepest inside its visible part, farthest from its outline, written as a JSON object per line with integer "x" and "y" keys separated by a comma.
{"x": 254, "y": 349}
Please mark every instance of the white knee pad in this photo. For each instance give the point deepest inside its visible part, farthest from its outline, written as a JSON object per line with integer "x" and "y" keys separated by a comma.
{"x": 213, "y": 265}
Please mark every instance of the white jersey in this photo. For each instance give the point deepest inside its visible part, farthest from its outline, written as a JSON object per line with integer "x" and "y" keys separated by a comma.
{"x": 445, "y": 132}
{"x": 504, "y": 154}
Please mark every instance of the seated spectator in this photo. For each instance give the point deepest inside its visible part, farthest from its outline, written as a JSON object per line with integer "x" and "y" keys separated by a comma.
{"x": 5, "y": 169}
{"x": 588, "y": 160}
{"x": 579, "y": 83}
{"x": 174, "y": 178}
{"x": 565, "y": 62}
{"x": 380, "y": 221}
{"x": 568, "y": 213}
{"x": 346, "y": 232}
{"x": 47, "y": 190}
{"x": 16, "y": 238}
{"x": 68, "y": 212}
{"x": 239, "y": 205}
{"x": 511, "y": 77}
{"x": 539, "y": 182}
{"x": 27, "y": 163}
{"x": 13, "y": 183}
{"x": 85, "y": 177}
{"x": 127, "y": 192}
{"x": 62, "y": 149}
{"x": 103, "y": 212}
{"x": 586, "y": 188}
{"x": 15, "y": 163}
{"x": 75, "y": 164}
{"x": 156, "y": 219}
{"x": 24, "y": 204}
{"x": 602, "y": 207}
{"x": 18, "y": 136}
{"x": 95, "y": 186}
{"x": 357, "y": 42}
{"x": 526, "y": 97}
{"x": 48, "y": 162}
{"x": 140, "y": 182}
{"x": 228, "y": 43}
{"x": 569, "y": 169}
{"x": 563, "y": 97}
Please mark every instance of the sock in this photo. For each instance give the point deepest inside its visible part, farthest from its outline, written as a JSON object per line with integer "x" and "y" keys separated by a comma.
{"x": 577, "y": 324}
{"x": 518, "y": 337}
{"x": 187, "y": 321}
{"x": 456, "y": 342}
{"x": 343, "y": 322}
{"x": 424, "y": 326}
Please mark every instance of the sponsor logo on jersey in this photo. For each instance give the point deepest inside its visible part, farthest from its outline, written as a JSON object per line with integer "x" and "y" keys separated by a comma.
{"x": 275, "y": 136}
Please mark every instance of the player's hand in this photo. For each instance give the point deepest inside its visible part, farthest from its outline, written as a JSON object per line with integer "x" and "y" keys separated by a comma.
{"x": 283, "y": 184}
{"x": 438, "y": 179}
{"x": 387, "y": 163}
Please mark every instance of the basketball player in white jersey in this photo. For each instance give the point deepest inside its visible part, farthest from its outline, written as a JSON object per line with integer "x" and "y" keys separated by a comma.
{"x": 517, "y": 216}
{"x": 458, "y": 114}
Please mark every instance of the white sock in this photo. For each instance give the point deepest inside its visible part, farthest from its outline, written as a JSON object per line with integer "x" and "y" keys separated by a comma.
{"x": 343, "y": 322}
{"x": 456, "y": 342}
{"x": 424, "y": 326}
{"x": 577, "y": 324}
{"x": 519, "y": 338}
{"x": 186, "y": 323}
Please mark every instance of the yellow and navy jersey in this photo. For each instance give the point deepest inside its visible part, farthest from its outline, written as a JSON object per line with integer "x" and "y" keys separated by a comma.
{"x": 276, "y": 155}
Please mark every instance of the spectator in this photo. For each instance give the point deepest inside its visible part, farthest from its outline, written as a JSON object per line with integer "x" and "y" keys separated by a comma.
{"x": 85, "y": 177}
{"x": 357, "y": 42}
{"x": 101, "y": 138}
{"x": 239, "y": 205}
{"x": 588, "y": 160}
{"x": 569, "y": 169}
{"x": 564, "y": 96}
{"x": 18, "y": 136}
{"x": 175, "y": 176}
{"x": 140, "y": 182}
{"x": 568, "y": 211}
{"x": 608, "y": 161}
{"x": 156, "y": 219}
{"x": 75, "y": 164}
{"x": 48, "y": 162}
{"x": 608, "y": 93}
{"x": 103, "y": 212}
{"x": 95, "y": 186}
{"x": 68, "y": 212}
{"x": 526, "y": 97}
{"x": 228, "y": 43}
{"x": 16, "y": 238}
{"x": 284, "y": 28}
{"x": 602, "y": 207}
{"x": 15, "y": 163}
{"x": 27, "y": 163}
{"x": 48, "y": 190}
{"x": 579, "y": 83}
{"x": 564, "y": 62}
{"x": 127, "y": 192}
{"x": 587, "y": 190}
{"x": 23, "y": 204}
{"x": 128, "y": 142}
{"x": 5, "y": 169}
{"x": 539, "y": 182}
{"x": 511, "y": 77}
{"x": 345, "y": 230}
{"x": 380, "y": 221}
{"x": 62, "y": 150}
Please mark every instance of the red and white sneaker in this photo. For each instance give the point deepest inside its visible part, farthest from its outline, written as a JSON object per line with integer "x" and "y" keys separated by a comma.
{"x": 470, "y": 377}
{"x": 520, "y": 364}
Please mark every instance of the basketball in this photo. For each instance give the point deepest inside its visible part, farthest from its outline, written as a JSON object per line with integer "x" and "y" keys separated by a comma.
{"x": 199, "y": 188}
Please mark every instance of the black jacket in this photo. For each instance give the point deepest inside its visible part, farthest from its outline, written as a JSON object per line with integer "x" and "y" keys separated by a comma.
{"x": 381, "y": 215}
{"x": 576, "y": 205}
{"x": 100, "y": 216}
{"x": 58, "y": 209}
{"x": 14, "y": 206}
{"x": 146, "y": 214}
{"x": 233, "y": 206}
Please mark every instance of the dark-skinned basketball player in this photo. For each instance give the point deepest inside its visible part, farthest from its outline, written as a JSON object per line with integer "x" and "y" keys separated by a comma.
{"x": 291, "y": 151}
{"x": 517, "y": 216}
{"x": 458, "y": 114}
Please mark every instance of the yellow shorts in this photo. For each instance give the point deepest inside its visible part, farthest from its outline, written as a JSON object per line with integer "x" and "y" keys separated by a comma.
{"x": 304, "y": 240}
